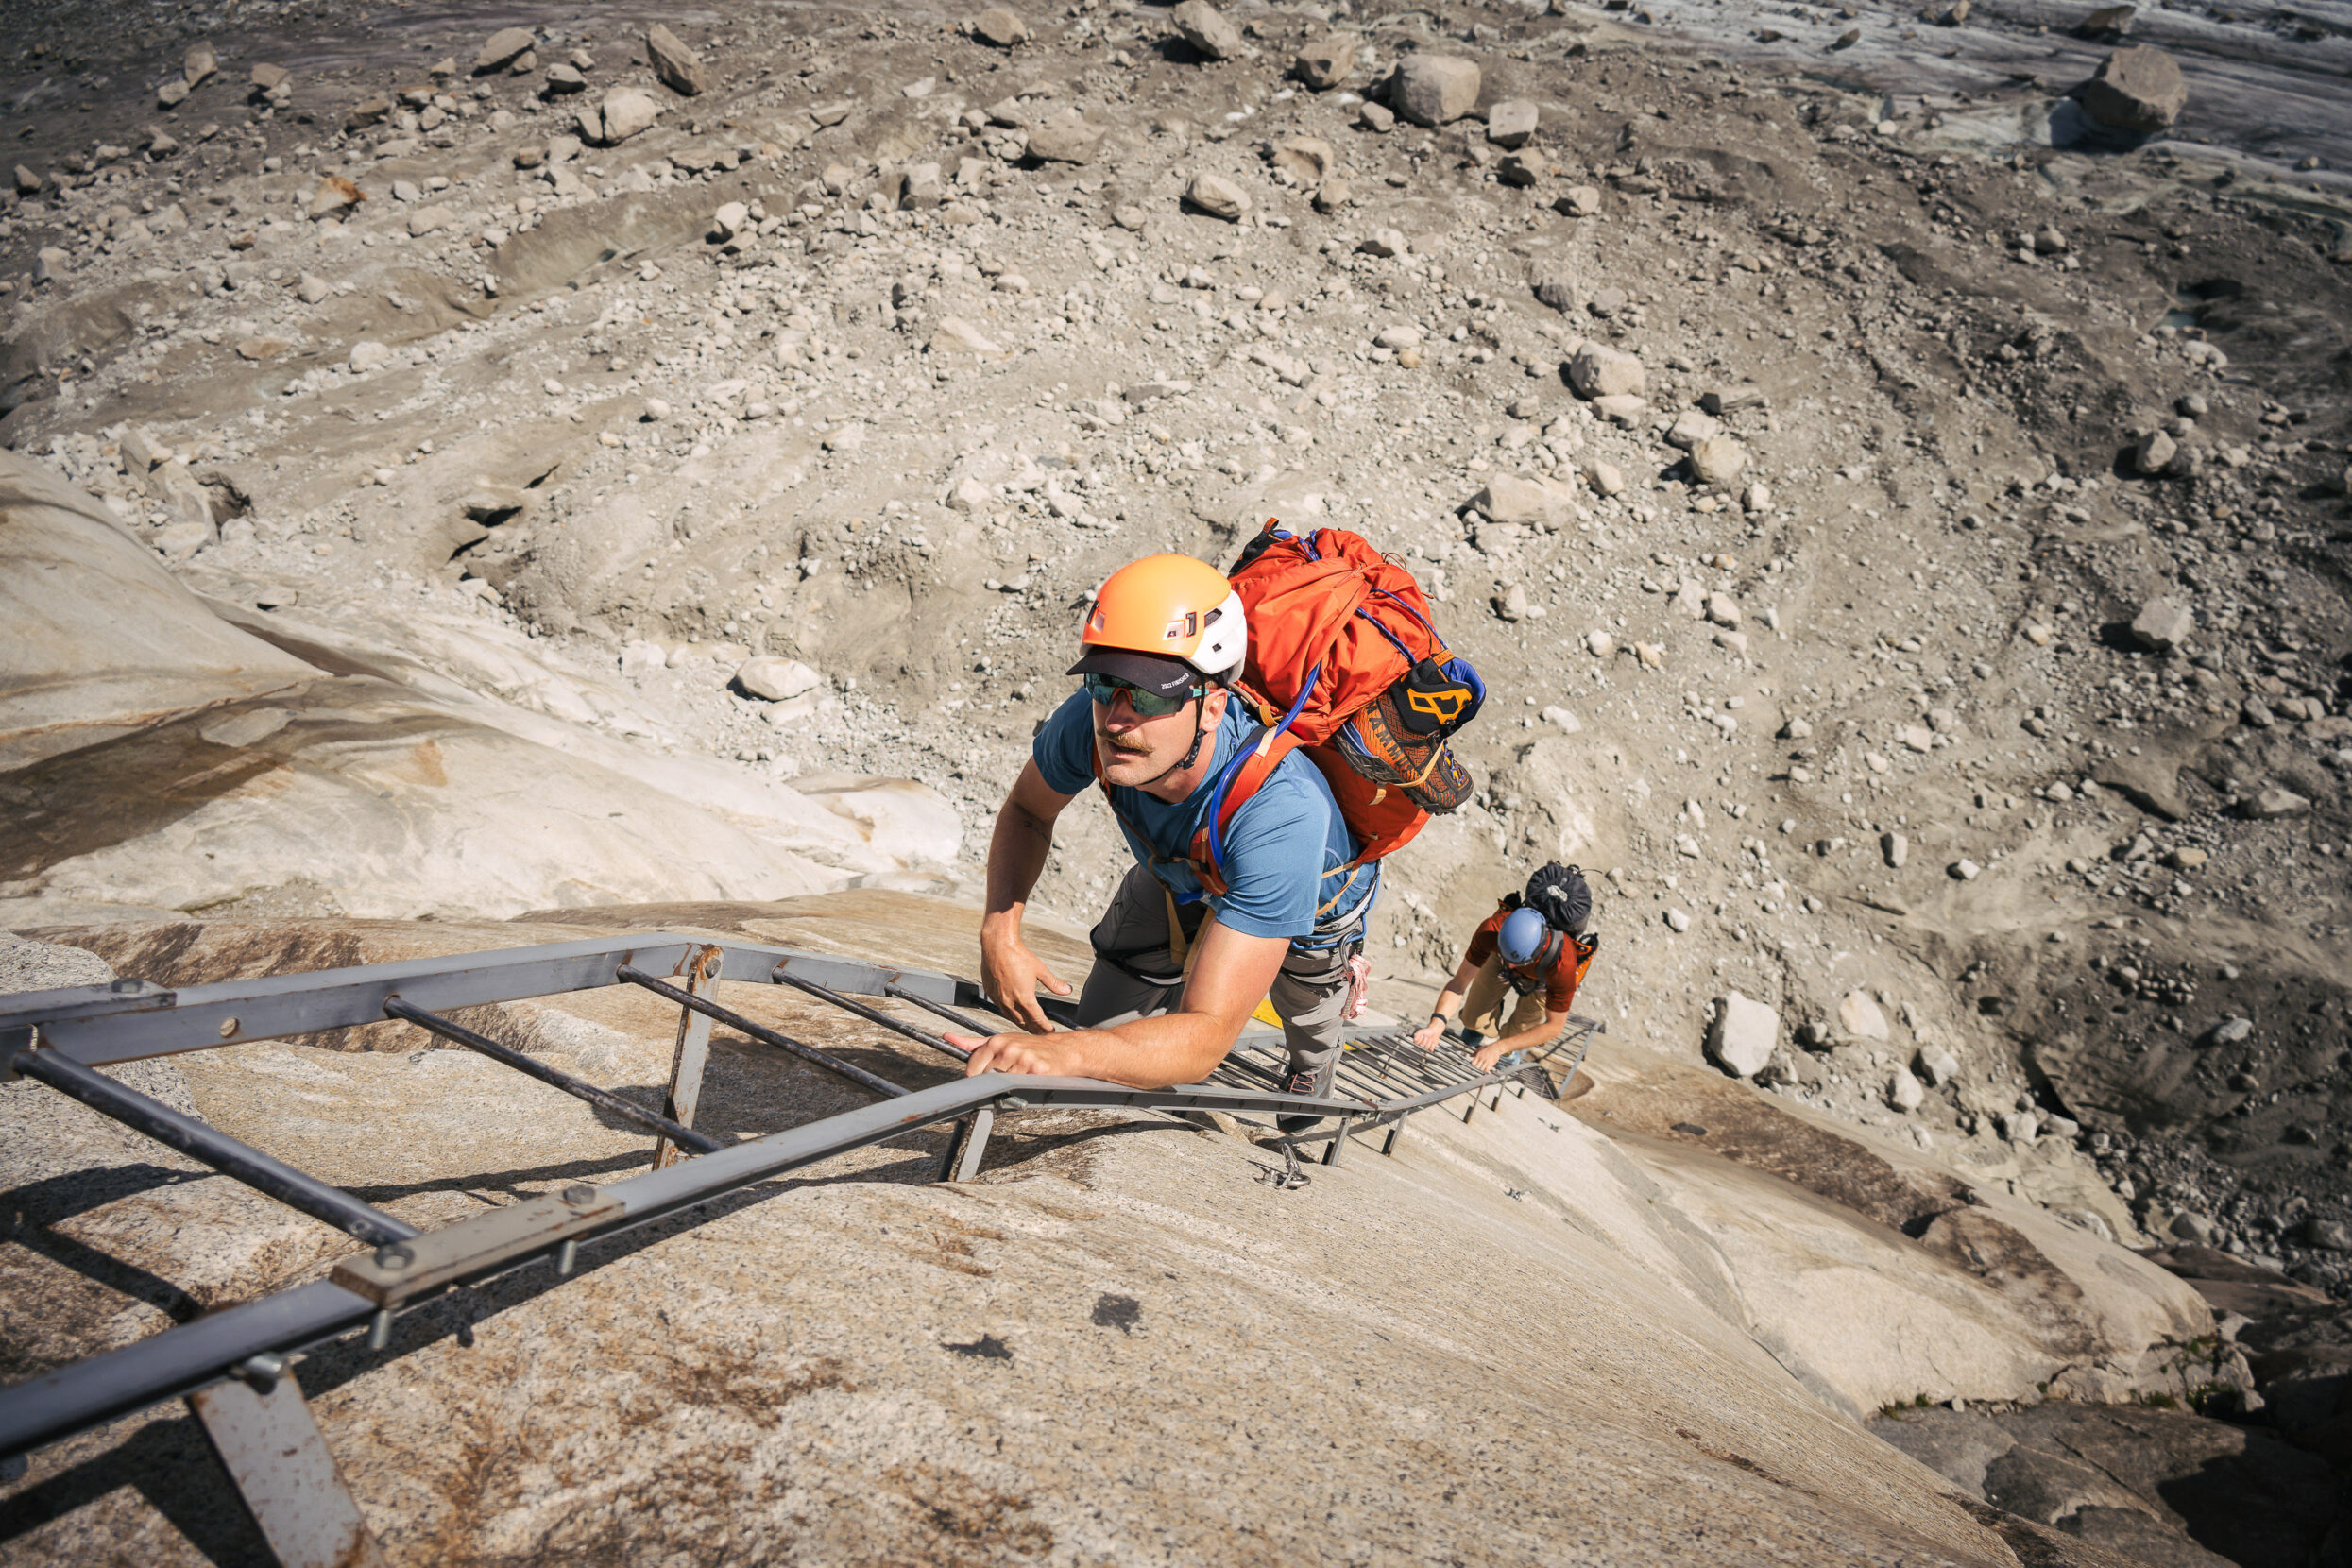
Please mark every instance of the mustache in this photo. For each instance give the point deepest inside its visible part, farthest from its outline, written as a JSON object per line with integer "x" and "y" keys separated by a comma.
{"x": 1112, "y": 743}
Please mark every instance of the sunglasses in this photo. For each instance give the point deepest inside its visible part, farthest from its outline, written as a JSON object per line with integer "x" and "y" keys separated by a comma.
{"x": 1148, "y": 705}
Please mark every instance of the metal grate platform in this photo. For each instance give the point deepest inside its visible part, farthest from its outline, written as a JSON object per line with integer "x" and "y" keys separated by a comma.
{"x": 231, "y": 1366}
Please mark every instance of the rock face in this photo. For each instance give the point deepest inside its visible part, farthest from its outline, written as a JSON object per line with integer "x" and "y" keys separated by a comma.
{"x": 2032, "y": 1293}
{"x": 1434, "y": 89}
{"x": 1099, "y": 1266}
{"x": 387, "y": 780}
{"x": 2150, "y": 1485}
{"x": 97, "y": 639}
{"x": 2137, "y": 90}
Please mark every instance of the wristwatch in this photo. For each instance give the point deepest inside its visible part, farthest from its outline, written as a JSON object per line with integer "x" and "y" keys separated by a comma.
{"x": 1438, "y": 1020}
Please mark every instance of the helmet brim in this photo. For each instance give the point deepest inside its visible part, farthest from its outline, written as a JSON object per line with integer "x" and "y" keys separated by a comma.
{"x": 1153, "y": 672}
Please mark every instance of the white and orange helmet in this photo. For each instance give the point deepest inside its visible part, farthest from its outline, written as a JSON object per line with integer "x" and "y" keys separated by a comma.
{"x": 1162, "y": 622}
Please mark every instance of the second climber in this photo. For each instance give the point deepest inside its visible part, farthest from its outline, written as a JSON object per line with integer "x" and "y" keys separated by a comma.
{"x": 1518, "y": 976}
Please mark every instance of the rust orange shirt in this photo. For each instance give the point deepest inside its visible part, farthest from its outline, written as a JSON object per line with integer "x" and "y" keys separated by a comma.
{"x": 1559, "y": 984}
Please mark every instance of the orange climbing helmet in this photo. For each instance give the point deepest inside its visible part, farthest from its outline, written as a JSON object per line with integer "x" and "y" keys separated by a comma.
{"x": 1162, "y": 621}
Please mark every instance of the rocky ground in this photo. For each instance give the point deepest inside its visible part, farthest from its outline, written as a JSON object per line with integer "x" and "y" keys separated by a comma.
{"x": 1900, "y": 514}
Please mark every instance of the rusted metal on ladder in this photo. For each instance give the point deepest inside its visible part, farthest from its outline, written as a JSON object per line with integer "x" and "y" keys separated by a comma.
{"x": 968, "y": 1145}
{"x": 699, "y": 970}
{"x": 268, "y": 1441}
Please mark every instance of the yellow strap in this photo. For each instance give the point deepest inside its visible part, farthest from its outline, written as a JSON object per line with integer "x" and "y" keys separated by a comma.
{"x": 1176, "y": 954}
{"x": 1354, "y": 871}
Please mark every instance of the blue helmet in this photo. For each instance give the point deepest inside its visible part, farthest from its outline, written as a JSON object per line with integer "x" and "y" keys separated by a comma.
{"x": 1523, "y": 935}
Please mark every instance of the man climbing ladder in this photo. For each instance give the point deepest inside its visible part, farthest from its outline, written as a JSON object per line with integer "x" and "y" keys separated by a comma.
{"x": 1223, "y": 907}
{"x": 1518, "y": 979}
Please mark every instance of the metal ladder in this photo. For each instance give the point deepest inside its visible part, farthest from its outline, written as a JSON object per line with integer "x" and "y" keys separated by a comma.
{"x": 235, "y": 1368}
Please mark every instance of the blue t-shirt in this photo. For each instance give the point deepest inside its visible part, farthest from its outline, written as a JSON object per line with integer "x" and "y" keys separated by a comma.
{"x": 1287, "y": 850}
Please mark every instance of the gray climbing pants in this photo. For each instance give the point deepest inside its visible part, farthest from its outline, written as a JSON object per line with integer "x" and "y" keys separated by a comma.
{"x": 1139, "y": 972}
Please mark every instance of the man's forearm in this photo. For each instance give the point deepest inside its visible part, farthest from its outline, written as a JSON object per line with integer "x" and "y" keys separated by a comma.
{"x": 1449, "y": 1007}
{"x": 1540, "y": 1035}
{"x": 1016, "y": 858}
{"x": 1144, "y": 1053}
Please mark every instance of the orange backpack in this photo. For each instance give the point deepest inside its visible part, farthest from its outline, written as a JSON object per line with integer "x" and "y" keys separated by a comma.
{"x": 1334, "y": 626}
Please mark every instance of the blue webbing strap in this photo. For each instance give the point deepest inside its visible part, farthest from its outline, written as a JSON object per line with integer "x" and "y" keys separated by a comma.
{"x": 1241, "y": 753}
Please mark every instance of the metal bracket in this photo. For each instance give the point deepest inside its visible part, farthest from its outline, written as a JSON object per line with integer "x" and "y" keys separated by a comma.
{"x": 1339, "y": 1142}
{"x": 971, "y": 1142}
{"x": 270, "y": 1444}
{"x": 393, "y": 1274}
{"x": 699, "y": 971}
{"x": 261, "y": 1373}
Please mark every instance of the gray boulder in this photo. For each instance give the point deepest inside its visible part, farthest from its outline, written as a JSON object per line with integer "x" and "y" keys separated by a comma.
{"x": 1553, "y": 281}
{"x": 625, "y": 111}
{"x": 1000, "y": 25}
{"x": 1601, "y": 371}
{"x": 681, "y": 69}
{"x": 776, "y": 680}
{"x": 500, "y": 50}
{"x": 1326, "y": 62}
{"x": 1743, "y": 1034}
{"x": 1217, "y": 197}
{"x": 1065, "y": 139}
{"x": 1509, "y": 499}
{"x": 1717, "y": 460}
{"x": 1511, "y": 123}
{"x": 2137, "y": 90}
{"x": 1207, "y": 29}
{"x": 2163, "y": 624}
{"x": 1435, "y": 89}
